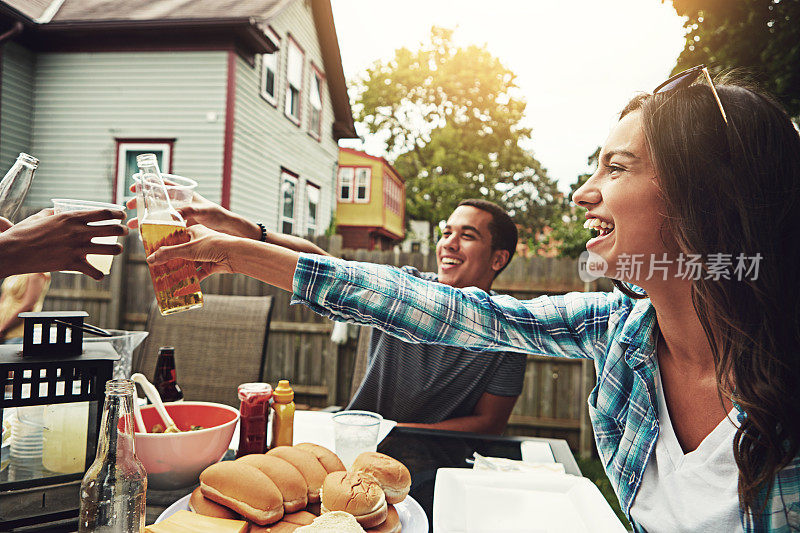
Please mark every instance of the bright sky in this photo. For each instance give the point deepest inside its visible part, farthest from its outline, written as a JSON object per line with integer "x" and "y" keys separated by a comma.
{"x": 577, "y": 62}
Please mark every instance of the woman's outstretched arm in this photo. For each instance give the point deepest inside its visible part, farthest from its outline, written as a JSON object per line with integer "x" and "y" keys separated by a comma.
{"x": 415, "y": 310}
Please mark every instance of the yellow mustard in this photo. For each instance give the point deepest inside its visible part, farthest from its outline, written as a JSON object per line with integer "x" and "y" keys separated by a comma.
{"x": 283, "y": 418}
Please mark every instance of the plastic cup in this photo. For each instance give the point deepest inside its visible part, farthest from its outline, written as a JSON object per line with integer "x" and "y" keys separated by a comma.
{"x": 180, "y": 190}
{"x": 355, "y": 432}
{"x": 100, "y": 262}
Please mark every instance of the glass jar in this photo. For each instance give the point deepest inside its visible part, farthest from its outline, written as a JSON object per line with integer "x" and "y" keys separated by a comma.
{"x": 253, "y": 413}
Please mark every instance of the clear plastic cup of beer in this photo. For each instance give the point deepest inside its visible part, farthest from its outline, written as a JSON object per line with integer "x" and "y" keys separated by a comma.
{"x": 100, "y": 262}
{"x": 176, "y": 284}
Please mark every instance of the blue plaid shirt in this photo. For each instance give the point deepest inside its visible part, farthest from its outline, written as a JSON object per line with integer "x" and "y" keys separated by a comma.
{"x": 616, "y": 332}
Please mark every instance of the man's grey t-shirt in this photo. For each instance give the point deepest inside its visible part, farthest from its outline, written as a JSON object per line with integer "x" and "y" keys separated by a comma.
{"x": 428, "y": 383}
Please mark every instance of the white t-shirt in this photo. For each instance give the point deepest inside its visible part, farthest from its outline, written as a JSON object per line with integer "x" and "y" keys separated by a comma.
{"x": 696, "y": 491}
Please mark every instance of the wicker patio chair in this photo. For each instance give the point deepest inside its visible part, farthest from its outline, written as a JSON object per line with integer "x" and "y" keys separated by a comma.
{"x": 360, "y": 363}
{"x": 217, "y": 347}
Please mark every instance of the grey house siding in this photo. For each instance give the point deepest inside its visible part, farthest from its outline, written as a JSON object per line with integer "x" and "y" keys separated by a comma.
{"x": 83, "y": 101}
{"x": 16, "y": 103}
{"x": 265, "y": 140}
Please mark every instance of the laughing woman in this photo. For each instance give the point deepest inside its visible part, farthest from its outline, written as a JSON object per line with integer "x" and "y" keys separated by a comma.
{"x": 696, "y": 411}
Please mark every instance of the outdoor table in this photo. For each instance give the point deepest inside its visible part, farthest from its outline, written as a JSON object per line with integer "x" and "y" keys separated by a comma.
{"x": 423, "y": 451}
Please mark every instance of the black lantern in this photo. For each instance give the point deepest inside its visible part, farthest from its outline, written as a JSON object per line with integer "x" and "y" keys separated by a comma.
{"x": 58, "y": 390}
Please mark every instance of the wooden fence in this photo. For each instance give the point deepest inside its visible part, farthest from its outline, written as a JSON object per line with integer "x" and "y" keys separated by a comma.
{"x": 553, "y": 401}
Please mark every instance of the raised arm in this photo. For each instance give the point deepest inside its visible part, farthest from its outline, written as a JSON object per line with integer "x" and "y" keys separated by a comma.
{"x": 214, "y": 216}
{"x": 572, "y": 325}
{"x": 46, "y": 242}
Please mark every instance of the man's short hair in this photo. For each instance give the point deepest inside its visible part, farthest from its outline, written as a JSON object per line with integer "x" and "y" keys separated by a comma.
{"x": 502, "y": 228}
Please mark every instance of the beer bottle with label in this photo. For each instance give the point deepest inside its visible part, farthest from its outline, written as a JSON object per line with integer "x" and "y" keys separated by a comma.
{"x": 165, "y": 380}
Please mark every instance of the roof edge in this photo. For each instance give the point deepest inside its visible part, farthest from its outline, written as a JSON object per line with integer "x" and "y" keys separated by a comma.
{"x": 344, "y": 126}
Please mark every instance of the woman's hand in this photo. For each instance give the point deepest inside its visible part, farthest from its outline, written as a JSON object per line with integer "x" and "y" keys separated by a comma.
{"x": 220, "y": 253}
{"x": 45, "y": 242}
{"x": 211, "y": 215}
{"x": 211, "y": 251}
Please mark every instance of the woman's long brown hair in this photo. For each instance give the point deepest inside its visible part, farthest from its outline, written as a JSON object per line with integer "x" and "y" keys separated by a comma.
{"x": 735, "y": 189}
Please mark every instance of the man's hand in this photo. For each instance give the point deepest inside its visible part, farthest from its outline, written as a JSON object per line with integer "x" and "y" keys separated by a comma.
{"x": 209, "y": 249}
{"x": 4, "y": 224}
{"x": 211, "y": 215}
{"x": 46, "y": 242}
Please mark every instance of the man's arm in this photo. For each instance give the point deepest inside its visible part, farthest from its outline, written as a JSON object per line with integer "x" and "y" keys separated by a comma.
{"x": 490, "y": 416}
{"x": 45, "y": 242}
{"x": 214, "y": 216}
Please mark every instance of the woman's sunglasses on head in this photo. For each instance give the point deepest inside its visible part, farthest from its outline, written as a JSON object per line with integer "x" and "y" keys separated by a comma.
{"x": 685, "y": 79}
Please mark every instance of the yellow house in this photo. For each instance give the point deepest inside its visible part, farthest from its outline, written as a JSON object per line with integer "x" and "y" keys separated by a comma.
{"x": 370, "y": 202}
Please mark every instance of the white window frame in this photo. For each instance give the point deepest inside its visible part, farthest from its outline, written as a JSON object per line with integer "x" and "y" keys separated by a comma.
{"x": 341, "y": 180}
{"x": 292, "y": 45}
{"x": 311, "y": 229}
{"x": 275, "y": 56}
{"x": 282, "y": 218}
{"x": 123, "y": 147}
{"x": 317, "y": 80}
{"x": 366, "y": 173}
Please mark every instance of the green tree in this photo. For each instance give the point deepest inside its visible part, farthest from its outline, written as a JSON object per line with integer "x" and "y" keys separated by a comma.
{"x": 760, "y": 37}
{"x": 451, "y": 120}
{"x": 568, "y": 234}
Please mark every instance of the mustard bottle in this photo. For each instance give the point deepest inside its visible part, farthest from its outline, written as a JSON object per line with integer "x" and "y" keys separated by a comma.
{"x": 283, "y": 419}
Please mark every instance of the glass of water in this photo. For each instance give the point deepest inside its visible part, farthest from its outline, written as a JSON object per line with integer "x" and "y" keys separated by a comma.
{"x": 355, "y": 432}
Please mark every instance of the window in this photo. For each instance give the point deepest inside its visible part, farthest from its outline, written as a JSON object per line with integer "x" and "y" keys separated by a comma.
{"x": 127, "y": 150}
{"x": 288, "y": 196}
{"x": 392, "y": 194}
{"x": 294, "y": 81}
{"x": 315, "y": 101}
{"x": 362, "y": 184}
{"x": 269, "y": 70}
{"x": 346, "y": 184}
{"x": 312, "y": 200}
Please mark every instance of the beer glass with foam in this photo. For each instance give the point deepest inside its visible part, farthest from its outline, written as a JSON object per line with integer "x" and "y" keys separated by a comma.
{"x": 161, "y": 225}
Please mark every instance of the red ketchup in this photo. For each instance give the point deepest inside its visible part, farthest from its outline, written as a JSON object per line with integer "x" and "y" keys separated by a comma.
{"x": 253, "y": 411}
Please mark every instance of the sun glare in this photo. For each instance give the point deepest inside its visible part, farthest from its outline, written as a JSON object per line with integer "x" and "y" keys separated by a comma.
{"x": 576, "y": 63}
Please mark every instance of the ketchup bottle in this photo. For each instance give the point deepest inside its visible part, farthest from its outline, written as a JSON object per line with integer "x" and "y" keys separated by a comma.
{"x": 253, "y": 413}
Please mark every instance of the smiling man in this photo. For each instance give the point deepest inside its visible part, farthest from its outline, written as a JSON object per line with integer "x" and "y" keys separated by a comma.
{"x": 424, "y": 385}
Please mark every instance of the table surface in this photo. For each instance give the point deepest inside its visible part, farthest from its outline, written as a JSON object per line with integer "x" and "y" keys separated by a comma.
{"x": 423, "y": 451}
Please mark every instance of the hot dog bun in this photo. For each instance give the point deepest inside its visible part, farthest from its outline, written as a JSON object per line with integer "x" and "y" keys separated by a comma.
{"x": 308, "y": 465}
{"x": 289, "y": 523}
{"x": 329, "y": 460}
{"x": 289, "y": 480}
{"x": 243, "y": 488}
{"x": 201, "y": 505}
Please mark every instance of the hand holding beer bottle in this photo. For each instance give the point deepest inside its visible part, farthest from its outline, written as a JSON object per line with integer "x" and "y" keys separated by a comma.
{"x": 175, "y": 282}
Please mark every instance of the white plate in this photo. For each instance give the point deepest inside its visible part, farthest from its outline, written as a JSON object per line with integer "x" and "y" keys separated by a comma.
{"x": 412, "y": 516}
{"x": 469, "y": 501}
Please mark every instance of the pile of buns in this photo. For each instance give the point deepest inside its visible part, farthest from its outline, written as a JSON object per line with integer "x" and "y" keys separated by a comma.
{"x": 285, "y": 489}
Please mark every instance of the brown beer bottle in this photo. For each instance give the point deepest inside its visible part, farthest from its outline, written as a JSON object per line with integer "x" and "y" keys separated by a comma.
{"x": 165, "y": 379}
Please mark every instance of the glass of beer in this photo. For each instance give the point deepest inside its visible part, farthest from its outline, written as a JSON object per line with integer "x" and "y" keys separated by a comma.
{"x": 161, "y": 225}
{"x": 100, "y": 262}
